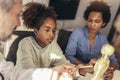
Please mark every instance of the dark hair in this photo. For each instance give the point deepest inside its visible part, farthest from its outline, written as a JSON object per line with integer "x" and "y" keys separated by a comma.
{"x": 99, "y": 6}
{"x": 36, "y": 13}
{"x": 2, "y": 76}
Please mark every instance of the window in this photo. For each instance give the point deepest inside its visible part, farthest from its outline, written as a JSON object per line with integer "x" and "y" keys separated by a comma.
{"x": 65, "y": 9}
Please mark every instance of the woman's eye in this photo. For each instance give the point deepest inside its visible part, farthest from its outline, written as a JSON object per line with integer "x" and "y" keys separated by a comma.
{"x": 98, "y": 21}
{"x": 89, "y": 20}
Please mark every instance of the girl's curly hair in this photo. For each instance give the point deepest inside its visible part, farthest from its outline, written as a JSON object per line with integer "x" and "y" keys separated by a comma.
{"x": 35, "y": 14}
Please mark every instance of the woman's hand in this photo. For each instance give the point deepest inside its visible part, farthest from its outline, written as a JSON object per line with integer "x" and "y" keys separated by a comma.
{"x": 83, "y": 71}
{"x": 109, "y": 73}
{"x": 92, "y": 61}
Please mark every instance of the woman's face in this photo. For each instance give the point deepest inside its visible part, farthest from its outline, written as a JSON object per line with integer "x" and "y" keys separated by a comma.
{"x": 95, "y": 22}
{"x": 46, "y": 33}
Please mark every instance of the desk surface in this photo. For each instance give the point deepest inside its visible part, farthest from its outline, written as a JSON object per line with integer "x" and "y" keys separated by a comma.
{"x": 88, "y": 76}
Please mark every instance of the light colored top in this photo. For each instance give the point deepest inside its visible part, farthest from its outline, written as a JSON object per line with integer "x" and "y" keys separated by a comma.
{"x": 78, "y": 47}
{"x": 14, "y": 73}
{"x": 31, "y": 55}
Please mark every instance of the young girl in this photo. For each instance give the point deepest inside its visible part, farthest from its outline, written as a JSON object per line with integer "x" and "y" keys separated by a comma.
{"x": 42, "y": 50}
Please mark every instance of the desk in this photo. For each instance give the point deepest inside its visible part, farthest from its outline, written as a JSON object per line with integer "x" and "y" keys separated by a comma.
{"x": 88, "y": 76}
{"x": 116, "y": 75}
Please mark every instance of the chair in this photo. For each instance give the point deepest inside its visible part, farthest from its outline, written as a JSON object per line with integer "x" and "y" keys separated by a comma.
{"x": 14, "y": 46}
{"x": 63, "y": 37}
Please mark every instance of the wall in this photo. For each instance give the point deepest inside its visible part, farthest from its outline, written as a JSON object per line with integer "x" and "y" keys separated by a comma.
{"x": 79, "y": 21}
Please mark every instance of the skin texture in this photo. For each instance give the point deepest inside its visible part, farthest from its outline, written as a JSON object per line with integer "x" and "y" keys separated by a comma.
{"x": 11, "y": 19}
{"x": 46, "y": 33}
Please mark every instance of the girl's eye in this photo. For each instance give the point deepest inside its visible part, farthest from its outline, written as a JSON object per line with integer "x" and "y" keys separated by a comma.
{"x": 47, "y": 30}
{"x": 54, "y": 30}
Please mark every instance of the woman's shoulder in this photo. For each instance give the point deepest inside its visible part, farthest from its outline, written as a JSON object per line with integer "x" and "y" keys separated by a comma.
{"x": 102, "y": 38}
{"x": 102, "y": 35}
{"x": 79, "y": 31}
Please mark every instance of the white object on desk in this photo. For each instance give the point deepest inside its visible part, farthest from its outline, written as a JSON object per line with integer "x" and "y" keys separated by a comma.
{"x": 116, "y": 75}
{"x": 88, "y": 76}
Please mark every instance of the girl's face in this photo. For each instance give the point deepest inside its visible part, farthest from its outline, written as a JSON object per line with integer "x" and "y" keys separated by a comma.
{"x": 46, "y": 33}
{"x": 95, "y": 22}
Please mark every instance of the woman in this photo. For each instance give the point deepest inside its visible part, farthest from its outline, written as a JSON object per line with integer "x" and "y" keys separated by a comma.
{"x": 85, "y": 44}
{"x": 40, "y": 51}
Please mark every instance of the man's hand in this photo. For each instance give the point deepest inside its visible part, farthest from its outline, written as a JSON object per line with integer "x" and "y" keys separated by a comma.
{"x": 65, "y": 70}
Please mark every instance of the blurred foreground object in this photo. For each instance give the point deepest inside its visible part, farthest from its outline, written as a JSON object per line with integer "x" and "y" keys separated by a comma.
{"x": 103, "y": 62}
{"x": 116, "y": 38}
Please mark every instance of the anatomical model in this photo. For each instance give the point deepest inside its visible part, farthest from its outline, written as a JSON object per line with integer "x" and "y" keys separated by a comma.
{"x": 103, "y": 62}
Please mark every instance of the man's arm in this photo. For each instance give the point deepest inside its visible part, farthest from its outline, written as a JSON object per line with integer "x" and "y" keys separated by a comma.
{"x": 56, "y": 73}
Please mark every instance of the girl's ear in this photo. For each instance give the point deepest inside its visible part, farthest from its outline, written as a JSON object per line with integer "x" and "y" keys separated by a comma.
{"x": 104, "y": 24}
{"x": 35, "y": 31}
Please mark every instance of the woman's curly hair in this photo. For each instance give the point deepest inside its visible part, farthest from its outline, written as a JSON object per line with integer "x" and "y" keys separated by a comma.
{"x": 99, "y": 6}
{"x": 35, "y": 14}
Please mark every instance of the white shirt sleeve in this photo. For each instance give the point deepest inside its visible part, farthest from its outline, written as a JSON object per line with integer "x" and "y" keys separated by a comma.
{"x": 11, "y": 72}
{"x": 14, "y": 73}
